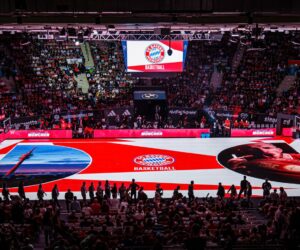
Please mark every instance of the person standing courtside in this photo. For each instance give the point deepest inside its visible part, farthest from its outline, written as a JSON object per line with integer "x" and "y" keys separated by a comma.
{"x": 133, "y": 188}
{"x": 99, "y": 192}
{"x": 114, "y": 191}
{"x": 83, "y": 191}
{"x": 91, "y": 191}
{"x": 69, "y": 198}
{"x": 55, "y": 194}
{"x": 159, "y": 191}
{"x": 5, "y": 191}
{"x": 107, "y": 189}
{"x": 249, "y": 191}
{"x": 191, "y": 191}
{"x": 122, "y": 192}
{"x": 232, "y": 191}
{"x": 221, "y": 191}
{"x": 243, "y": 187}
{"x": 176, "y": 193}
{"x": 21, "y": 190}
{"x": 266, "y": 186}
{"x": 40, "y": 193}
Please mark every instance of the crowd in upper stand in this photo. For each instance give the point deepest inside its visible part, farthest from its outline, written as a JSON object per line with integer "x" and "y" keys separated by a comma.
{"x": 109, "y": 84}
{"x": 289, "y": 101}
{"x": 46, "y": 83}
{"x": 252, "y": 86}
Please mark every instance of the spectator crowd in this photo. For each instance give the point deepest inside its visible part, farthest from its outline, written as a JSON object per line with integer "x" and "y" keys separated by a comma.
{"x": 45, "y": 74}
{"x": 108, "y": 216}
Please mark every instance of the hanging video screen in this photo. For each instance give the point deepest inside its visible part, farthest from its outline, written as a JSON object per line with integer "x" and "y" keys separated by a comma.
{"x": 155, "y": 56}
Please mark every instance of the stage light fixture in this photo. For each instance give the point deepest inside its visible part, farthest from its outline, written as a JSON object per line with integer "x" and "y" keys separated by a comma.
{"x": 170, "y": 51}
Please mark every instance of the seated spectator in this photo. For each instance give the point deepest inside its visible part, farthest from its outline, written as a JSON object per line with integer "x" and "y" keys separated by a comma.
{"x": 75, "y": 205}
{"x": 96, "y": 207}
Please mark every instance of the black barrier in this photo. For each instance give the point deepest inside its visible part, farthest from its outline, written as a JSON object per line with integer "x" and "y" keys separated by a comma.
{"x": 284, "y": 120}
{"x": 77, "y": 115}
{"x": 24, "y": 121}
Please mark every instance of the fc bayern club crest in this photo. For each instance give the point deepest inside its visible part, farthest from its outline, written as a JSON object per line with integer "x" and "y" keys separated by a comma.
{"x": 155, "y": 53}
{"x": 154, "y": 160}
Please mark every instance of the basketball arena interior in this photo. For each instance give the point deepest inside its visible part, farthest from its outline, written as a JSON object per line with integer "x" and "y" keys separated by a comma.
{"x": 149, "y": 124}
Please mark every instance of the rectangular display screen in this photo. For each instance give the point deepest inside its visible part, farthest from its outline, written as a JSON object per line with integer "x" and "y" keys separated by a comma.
{"x": 155, "y": 56}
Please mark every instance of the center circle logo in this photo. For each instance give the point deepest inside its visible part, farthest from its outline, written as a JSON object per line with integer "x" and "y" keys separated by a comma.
{"x": 154, "y": 160}
{"x": 155, "y": 53}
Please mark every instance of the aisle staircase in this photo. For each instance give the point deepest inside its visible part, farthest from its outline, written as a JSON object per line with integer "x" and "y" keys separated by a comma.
{"x": 82, "y": 82}
{"x": 286, "y": 83}
{"x": 216, "y": 80}
{"x": 238, "y": 56}
{"x": 86, "y": 50}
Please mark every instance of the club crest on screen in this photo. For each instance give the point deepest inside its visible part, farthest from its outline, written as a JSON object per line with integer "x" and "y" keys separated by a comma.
{"x": 155, "y": 53}
{"x": 154, "y": 160}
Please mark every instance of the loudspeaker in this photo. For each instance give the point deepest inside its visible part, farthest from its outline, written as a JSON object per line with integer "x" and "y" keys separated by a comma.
{"x": 165, "y": 31}
{"x": 162, "y": 31}
{"x": 296, "y": 135}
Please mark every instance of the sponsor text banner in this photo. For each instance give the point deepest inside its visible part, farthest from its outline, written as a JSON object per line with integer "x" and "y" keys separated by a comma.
{"x": 253, "y": 132}
{"x": 150, "y": 133}
{"x": 38, "y": 134}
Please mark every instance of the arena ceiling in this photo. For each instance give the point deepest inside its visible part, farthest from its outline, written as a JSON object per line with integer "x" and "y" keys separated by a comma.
{"x": 197, "y": 12}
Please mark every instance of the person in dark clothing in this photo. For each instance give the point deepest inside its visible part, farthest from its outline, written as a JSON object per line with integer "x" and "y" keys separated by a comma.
{"x": 122, "y": 192}
{"x": 142, "y": 196}
{"x": 48, "y": 225}
{"x": 55, "y": 194}
{"x": 114, "y": 191}
{"x": 99, "y": 192}
{"x": 176, "y": 192}
{"x": 221, "y": 191}
{"x": 232, "y": 191}
{"x": 249, "y": 191}
{"x": 69, "y": 198}
{"x": 243, "y": 188}
{"x": 266, "y": 186}
{"x": 107, "y": 189}
{"x": 21, "y": 190}
{"x": 83, "y": 191}
{"x": 5, "y": 191}
{"x": 91, "y": 191}
{"x": 159, "y": 191}
{"x": 17, "y": 212}
{"x": 191, "y": 191}
{"x": 133, "y": 187}
{"x": 40, "y": 193}
{"x": 195, "y": 242}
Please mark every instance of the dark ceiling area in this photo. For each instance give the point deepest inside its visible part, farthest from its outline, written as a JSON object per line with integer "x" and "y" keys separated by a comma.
{"x": 154, "y": 11}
